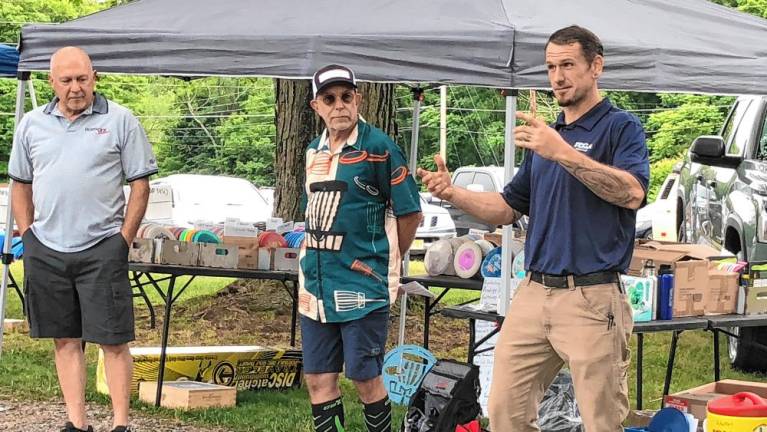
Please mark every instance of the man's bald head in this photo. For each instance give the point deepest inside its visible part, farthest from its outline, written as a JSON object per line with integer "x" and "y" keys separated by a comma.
{"x": 68, "y": 55}
{"x": 73, "y": 80}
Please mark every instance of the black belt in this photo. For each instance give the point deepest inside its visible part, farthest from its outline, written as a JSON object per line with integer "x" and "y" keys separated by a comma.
{"x": 555, "y": 281}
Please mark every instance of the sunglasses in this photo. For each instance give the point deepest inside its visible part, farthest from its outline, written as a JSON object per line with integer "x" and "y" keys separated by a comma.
{"x": 330, "y": 99}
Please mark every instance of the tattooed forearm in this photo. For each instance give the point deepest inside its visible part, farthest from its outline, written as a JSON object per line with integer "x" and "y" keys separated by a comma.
{"x": 612, "y": 185}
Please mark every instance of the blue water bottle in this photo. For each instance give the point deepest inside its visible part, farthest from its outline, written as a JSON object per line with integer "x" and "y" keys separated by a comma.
{"x": 665, "y": 296}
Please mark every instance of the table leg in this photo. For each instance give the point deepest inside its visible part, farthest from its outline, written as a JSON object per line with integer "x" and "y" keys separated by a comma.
{"x": 716, "y": 355}
{"x": 640, "y": 352}
{"x": 426, "y": 319}
{"x": 670, "y": 365}
{"x": 294, "y": 315}
{"x": 472, "y": 339}
{"x": 164, "y": 344}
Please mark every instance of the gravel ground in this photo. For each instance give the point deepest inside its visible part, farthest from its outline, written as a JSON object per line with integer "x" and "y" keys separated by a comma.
{"x": 50, "y": 416}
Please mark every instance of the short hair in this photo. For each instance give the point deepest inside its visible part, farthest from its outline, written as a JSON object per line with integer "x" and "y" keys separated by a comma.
{"x": 590, "y": 43}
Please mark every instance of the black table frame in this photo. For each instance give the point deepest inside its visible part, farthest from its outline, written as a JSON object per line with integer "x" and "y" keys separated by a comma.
{"x": 168, "y": 297}
{"x": 446, "y": 282}
{"x": 714, "y": 323}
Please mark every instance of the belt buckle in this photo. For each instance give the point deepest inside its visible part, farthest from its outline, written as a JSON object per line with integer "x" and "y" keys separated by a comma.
{"x": 543, "y": 280}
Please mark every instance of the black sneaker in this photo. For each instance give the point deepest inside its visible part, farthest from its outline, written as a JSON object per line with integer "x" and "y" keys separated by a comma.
{"x": 122, "y": 429}
{"x": 69, "y": 427}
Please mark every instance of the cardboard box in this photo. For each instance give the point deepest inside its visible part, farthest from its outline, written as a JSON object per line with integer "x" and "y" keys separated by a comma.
{"x": 286, "y": 259}
{"x": 174, "y": 252}
{"x": 218, "y": 255}
{"x": 188, "y": 394}
{"x": 690, "y": 271}
{"x": 141, "y": 251}
{"x": 15, "y": 326}
{"x": 247, "y": 247}
{"x": 694, "y": 400}
{"x": 722, "y": 296}
{"x": 241, "y": 367}
{"x": 752, "y": 299}
{"x": 265, "y": 259}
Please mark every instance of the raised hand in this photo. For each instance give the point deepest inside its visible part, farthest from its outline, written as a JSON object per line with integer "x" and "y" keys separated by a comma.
{"x": 437, "y": 182}
{"x": 537, "y": 136}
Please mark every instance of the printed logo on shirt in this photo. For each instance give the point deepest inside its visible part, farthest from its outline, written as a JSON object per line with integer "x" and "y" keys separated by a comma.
{"x": 99, "y": 131}
{"x": 366, "y": 187}
{"x": 583, "y": 147}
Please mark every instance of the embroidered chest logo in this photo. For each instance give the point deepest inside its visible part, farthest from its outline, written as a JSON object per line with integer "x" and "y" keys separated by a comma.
{"x": 583, "y": 146}
{"x": 99, "y": 131}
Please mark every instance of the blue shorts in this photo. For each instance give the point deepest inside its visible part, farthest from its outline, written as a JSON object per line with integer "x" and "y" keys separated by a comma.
{"x": 359, "y": 345}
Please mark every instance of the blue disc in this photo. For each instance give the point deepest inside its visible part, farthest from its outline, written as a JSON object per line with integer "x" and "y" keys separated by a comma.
{"x": 491, "y": 265}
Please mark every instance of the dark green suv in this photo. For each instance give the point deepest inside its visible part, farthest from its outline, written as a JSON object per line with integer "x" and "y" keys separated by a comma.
{"x": 723, "y": 197}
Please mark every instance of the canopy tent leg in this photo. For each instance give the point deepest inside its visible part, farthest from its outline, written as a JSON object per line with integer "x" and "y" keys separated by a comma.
{"x": 7, "y": 257}
{"x": 508, "y": 173}
{"x": 32, "y": 94}
{"x": 417, "y": 98}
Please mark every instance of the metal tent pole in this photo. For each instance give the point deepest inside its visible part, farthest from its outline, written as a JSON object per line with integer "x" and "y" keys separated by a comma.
{"x": 508, "y": 173}
{"x": 417, "y": 97}
{"x": 7, "y": 256}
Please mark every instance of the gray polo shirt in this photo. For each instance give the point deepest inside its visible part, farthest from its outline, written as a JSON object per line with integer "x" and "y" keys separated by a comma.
{"x": 77, "y": 170}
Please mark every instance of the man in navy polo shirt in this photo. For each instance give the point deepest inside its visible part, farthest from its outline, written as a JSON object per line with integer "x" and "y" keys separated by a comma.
{"x": 581, "y": 182}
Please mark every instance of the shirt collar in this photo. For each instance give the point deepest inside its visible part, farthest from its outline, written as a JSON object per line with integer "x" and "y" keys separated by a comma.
{"x": 351, "y": 142}
{"x": 98, "y": 106}
{"x": 588, "y": 120}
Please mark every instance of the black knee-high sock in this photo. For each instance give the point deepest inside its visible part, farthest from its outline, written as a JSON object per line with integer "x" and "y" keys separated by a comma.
{"x": 329, "y": 416}
{"x": 378, "y": 416}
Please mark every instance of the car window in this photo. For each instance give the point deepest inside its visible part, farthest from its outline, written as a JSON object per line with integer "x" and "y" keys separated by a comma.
{"x": 485, "y": 180}
{"x": 463, "y": 179}
{"x": 763, "y": 138}
{"x": 736, "y": 137}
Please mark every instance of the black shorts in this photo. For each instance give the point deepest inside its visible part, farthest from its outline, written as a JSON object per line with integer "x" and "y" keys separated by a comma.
{"x": 357, "y": 346}
{"x": 82, "y": 294}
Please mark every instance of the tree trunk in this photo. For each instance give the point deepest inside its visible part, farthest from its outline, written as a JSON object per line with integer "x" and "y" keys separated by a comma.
{"x": 297, "y": 125}
{"x": 379, "y": 107}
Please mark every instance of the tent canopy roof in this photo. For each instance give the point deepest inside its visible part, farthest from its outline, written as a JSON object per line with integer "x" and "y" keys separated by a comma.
{"x": 650, "y": 45}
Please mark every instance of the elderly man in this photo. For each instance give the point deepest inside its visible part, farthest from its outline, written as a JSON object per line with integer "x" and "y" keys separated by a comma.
{"x": 69, "y": 161}
{"x": 362, "y": 212}
{"x": 581, "y": 182}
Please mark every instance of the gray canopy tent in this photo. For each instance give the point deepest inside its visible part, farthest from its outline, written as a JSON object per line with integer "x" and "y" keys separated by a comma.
{"x": 651, "y": 45}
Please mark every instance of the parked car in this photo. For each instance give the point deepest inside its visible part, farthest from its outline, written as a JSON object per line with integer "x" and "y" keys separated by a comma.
{"x": 183, "y": 199}
{"x": 479, "y": 179}
{"x": 723, "y": 194}
{"x": 436, "y": 225}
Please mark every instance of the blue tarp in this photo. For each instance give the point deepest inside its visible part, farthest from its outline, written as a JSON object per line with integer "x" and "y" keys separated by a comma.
{"x": 9, "y": 60}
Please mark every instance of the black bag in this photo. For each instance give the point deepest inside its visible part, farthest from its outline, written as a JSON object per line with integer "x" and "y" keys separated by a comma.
{"x": 447, "y": 398}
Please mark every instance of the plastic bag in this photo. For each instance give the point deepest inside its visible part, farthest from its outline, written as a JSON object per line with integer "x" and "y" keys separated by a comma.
{"x": 558, "y": 411}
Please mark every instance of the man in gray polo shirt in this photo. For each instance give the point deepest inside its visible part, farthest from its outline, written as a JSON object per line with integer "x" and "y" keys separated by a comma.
{"x": 69, "y": 161}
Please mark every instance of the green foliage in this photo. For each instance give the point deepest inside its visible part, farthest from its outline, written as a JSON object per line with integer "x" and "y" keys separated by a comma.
{"x": 670, "y": 132}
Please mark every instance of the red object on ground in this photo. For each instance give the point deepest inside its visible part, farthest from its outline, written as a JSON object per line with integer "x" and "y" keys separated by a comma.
{"x": 472, "y": 426}
{"x": 743, "y": 404}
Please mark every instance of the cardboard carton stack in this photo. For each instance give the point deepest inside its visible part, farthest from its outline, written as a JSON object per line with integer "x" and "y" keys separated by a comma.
{"x": 699, "y": 287}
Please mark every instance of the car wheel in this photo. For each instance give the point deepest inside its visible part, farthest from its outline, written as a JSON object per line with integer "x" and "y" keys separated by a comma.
{"x": 743, "y": 354}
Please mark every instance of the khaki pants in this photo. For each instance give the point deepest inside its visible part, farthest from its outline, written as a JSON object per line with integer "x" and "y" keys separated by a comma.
{"x": 546, "y": 328}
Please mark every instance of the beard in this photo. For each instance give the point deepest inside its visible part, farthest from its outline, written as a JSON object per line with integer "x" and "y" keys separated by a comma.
{"x": 575, "y": 99}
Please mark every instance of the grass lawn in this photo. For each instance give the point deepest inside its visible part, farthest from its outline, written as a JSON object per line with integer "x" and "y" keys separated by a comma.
{"x": 27, "y": 371}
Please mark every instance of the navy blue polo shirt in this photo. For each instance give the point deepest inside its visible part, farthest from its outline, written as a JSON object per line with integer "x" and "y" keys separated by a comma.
{"x": 571, "y": 229}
